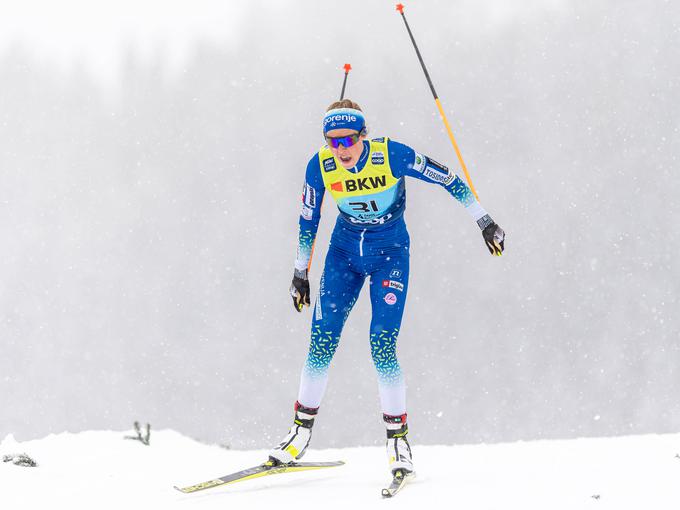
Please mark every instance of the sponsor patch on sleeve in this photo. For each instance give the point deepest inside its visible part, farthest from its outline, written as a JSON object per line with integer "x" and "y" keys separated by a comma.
{"x": 310, "y": 196}
{"x": 419, "y": 163}
{"x": 436, "y": 176}
{"x": 437, "y": 172}
{"x": 306, "y": 213}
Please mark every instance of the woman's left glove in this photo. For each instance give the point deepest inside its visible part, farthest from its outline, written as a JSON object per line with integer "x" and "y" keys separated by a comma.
{"x": 299, "y": 289}
{"x": 494, "y": 237}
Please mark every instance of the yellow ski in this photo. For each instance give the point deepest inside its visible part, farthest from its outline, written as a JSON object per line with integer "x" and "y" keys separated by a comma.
{"x": 268, "y": 468}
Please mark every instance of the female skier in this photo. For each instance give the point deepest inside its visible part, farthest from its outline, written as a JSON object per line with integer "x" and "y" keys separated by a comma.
{"x": 366, "y": 180}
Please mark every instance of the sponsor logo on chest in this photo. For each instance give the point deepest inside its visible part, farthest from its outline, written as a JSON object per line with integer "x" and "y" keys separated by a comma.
{"x": 377, "y": 158}
{"x": 329, "y": 165}
{"x": 360, "y": 184}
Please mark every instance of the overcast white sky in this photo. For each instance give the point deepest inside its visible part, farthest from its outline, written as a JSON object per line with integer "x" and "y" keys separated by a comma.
{"x": 68, "y": 32}
{"x": 94, "y": 32}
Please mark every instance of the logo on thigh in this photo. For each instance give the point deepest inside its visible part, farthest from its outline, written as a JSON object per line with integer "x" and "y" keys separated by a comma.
{"x": 390, "y": 298}
{"x": 396, "y": 273}
{"x": 393, "y": 285}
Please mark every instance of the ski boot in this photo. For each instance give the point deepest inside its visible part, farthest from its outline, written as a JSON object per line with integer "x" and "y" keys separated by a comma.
{"x": 398, "y": 450}
{"x": 295, "y": 444}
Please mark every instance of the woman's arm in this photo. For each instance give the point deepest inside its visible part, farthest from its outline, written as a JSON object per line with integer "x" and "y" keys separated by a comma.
{"x": 407, "y": 162}
{"x": 310, "y": 214}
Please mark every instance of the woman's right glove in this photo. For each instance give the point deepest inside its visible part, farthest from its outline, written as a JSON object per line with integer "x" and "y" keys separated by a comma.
{"x": 299, "y": 289}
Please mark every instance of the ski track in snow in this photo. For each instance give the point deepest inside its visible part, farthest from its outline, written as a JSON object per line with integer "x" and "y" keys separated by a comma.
{"x": 99, "y": 469}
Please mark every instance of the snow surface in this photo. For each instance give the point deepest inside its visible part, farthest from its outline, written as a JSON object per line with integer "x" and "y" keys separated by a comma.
{"x": 98, "y": 469}
{"x": 151, "y": 158}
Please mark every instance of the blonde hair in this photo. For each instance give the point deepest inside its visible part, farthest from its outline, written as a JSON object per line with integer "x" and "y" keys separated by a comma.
{"x": 344, "y": 103}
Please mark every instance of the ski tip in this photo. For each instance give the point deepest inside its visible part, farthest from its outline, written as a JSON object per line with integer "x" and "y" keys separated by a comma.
{"x": 200, "y": 486}
{"x": 399, "y": 478}
{"x": 400, "y": 8}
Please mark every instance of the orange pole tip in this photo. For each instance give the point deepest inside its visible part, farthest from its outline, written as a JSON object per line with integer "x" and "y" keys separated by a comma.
{"x": 400, "y": 8}
{"x": 347, "y": 68}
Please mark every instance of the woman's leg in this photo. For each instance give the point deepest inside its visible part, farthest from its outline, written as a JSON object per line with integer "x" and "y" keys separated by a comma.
{"x": 338, "y": 292}
{"x": 389, "y": 285}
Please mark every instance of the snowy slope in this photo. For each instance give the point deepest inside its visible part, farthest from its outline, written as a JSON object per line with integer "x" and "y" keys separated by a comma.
{"x": 101, "y": 470}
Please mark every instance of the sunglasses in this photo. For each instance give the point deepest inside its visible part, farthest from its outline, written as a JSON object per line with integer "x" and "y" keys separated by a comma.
{"x": 346, "y": 141}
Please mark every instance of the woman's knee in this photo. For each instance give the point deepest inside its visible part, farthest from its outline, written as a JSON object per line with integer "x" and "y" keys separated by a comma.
{"x": 384, "y": 347}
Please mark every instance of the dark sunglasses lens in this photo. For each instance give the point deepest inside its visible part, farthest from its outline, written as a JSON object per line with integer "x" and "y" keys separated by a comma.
{"x": 346, "y": 141}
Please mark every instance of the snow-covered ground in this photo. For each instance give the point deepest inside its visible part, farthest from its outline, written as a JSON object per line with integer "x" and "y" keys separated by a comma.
{"x": 100, "y": 470}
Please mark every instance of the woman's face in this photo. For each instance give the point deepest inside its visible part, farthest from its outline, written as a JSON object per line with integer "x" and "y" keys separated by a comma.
{"x": 348, "y": 156}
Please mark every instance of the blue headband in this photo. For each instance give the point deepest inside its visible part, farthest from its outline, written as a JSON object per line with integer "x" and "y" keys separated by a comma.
{"x": 343, "y": 118}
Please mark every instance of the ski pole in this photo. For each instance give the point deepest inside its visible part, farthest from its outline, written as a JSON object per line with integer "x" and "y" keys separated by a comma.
{"x": 400, "y": 8}
{"x": 347, "y": 69}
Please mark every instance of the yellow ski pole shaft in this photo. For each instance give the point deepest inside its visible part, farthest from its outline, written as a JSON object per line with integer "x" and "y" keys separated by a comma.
{"x": 400, "y": 8}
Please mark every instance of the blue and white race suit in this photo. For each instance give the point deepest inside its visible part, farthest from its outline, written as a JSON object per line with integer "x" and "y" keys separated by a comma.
{"x": 370, "y": 239}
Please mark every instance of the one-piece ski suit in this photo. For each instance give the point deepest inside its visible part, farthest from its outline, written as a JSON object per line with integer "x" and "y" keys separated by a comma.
{"x": 370, "y": 239}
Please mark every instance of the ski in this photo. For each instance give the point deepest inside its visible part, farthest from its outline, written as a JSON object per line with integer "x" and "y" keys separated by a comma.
{"x": 398, "y": 481}
{"x": 268, "y": 468}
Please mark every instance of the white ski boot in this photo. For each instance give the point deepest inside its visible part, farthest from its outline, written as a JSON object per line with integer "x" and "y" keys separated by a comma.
{"x": 398, "y": 450}
{"x": 295, "y": 443}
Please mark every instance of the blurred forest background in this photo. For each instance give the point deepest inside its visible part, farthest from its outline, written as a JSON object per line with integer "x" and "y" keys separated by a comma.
{"x": 149, "y": 202}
